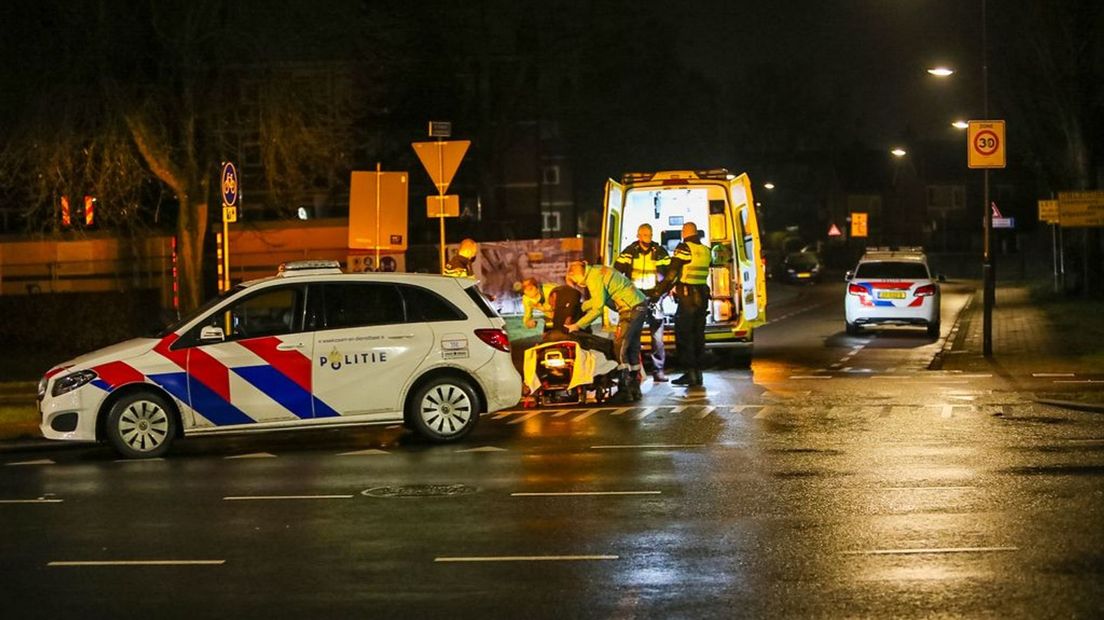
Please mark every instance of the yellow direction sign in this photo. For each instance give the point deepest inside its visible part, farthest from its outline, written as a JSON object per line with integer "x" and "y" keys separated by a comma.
{"x": 858, "y": 224}
{"x": 1048, "y": 211}
{"x": 229, "y": 214}
{"x": 441, "y": 159}
{"x": 1081, "y": 209}
{"x": 985, "y": 144}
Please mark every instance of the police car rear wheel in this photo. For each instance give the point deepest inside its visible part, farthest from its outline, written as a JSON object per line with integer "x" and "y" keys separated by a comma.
{"x": 445, "y": 409}
{"x": 140, "y": 426}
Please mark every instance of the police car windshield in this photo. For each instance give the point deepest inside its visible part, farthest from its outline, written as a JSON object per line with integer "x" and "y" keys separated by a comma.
{"x": 905, "y": 270}
{"x": 182, "y": 321}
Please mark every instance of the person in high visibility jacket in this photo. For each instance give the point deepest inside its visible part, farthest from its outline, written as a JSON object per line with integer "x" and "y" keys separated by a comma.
{"x": 688, "y": 276}
{"x": 609, "y": 287}
{"x": 461, "y": 263}
{"x": 536, "y": 296}
{"x": 645, "y": 263}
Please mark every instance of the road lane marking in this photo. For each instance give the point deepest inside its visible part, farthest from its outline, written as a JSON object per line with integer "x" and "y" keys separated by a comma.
{"x": 244, "y": 498}
{"x": 584, "y": 493}
{"x": 368, "y": 452}
{"x": 931, "y": 550}
{"x": 809, "y": 377}
{"x": 503, "y": 414}
{"x": 1053, "y": 374}
{"x": 584, "y": 415}
{"x": 525, "y": 417}
{"x": 705, "y": 412}
{"x": 559, "y": 413}
{"x": 40, "y": 500}
{"x": 527, "y": 558}
{"x": 253, "y": 455}
{"x": 38, "y": 462}
{"x": 765, "y": 411}
{"x": 621, "y": 411}
{"x": 483, "y": 449}
{"x": 137, "y": 563}
{"x": 646, "y": 446}
{"x": 965, "y": 488}
{"x": 1079, "y": 381}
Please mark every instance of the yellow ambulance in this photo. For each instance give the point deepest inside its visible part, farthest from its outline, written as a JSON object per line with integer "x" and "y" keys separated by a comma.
{"x": 722, "y": 206}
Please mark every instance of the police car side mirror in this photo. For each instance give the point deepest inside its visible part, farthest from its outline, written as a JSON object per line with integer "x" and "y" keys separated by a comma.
{"x": 211, "y": 333}
{"x": 847, "y": 276}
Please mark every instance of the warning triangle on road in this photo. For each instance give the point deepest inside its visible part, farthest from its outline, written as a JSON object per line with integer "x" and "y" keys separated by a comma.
{"x": 834, "y": 231}
{"x": 441, "y": 159}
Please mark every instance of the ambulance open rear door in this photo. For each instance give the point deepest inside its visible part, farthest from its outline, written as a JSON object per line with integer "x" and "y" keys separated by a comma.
{"x": 752, "y": 275}
{"x": 611, "y": 222}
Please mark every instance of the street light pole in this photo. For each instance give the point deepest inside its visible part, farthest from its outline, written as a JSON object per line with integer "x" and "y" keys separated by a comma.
{"x": 987, "y": 275}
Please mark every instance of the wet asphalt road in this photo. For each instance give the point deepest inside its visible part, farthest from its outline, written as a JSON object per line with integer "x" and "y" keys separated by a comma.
{"x": 837, "y": 477}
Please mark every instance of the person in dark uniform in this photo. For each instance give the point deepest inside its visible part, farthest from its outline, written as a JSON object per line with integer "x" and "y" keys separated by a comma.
{"x": 645, "y": 262}
{"x": 460, "y": 265}
{"x": 688, "y": 276}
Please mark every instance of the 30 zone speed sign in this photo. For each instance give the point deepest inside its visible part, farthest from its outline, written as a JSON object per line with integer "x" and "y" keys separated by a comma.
{"x": 985, "y": 144}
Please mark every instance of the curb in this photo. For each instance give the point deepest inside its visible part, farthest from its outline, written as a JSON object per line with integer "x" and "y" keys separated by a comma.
{"x": 1071, "y": 404}
{"x": 31, "y": 445}
{"x": 952, "y": 335}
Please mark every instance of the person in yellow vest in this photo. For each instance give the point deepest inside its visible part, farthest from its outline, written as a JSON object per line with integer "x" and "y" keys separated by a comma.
{"x": 645, "y": 263}
{"x": 609, "y": 287}
{"x": 688, "y": 276}
{"x": 536, "y": 296}
{"x": 460, "y": 265}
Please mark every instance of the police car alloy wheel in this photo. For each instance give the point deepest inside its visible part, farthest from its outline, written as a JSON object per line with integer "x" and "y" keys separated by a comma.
{"x": 140, "y": 425}
{"x": 445, "y": 409}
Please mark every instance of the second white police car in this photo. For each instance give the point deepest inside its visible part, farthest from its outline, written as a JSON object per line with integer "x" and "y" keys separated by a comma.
{"x": 309, "y": 347}
{"x": 892, "y": 287}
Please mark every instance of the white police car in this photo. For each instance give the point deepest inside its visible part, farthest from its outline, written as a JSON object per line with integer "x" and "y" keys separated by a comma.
{"x": 308, "y": 347}
{"x": 892, "y": 287}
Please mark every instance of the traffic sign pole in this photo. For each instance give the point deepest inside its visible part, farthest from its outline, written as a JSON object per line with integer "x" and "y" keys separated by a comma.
{"x": 441, "y": 193}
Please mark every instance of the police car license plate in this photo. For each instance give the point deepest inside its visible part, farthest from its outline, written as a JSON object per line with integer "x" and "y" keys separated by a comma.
{"x": 804, "y": 275}
{"x": 891, "y": 295}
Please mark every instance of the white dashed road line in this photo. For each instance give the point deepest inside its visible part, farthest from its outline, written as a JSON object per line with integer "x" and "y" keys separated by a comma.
{"x": 245, "y": 498}
{"x": 40, "y": 500}
{"x": 584, "y": 493}
{"x": 527, "y": 558}
{"x": 1052, "y": 374}
{"x": 649, "y": 446}
{"x": 137, "y": 563}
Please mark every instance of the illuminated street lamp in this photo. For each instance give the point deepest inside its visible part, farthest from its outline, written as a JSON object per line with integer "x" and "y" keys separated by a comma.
{"x": 768, "y": 185}
{"x": 960, "y": 124}
{"x": 899, "y": 152}
{"x": 941, "y": 72}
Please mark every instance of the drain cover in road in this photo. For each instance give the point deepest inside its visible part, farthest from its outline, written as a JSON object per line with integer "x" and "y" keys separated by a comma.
{"x": 422, "y": 490}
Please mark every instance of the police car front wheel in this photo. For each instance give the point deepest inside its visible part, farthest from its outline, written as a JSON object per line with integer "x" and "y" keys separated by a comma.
{"x": 444, "y": 409}
{"x": 140, "y": 425}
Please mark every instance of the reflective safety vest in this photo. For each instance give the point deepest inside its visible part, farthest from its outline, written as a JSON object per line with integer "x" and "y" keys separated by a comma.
{"x": 697, "y": 258}
{"x": 642, "y": 266}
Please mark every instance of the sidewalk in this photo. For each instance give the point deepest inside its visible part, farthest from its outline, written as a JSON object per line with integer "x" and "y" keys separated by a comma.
{"x": 1035, "y": 339}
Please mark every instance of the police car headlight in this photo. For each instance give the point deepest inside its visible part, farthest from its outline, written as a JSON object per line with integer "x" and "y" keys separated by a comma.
{"x": 72, "y": 381}
{"x": 42, "y": 388}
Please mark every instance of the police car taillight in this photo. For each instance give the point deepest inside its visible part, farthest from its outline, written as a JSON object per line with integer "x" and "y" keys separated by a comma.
{"x": 494, "y": 337}
{"x": 855, "y": 289}
{"x": 925, "y": 291}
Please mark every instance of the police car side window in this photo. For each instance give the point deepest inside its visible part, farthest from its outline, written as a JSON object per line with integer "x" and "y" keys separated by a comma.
{"x": 358, "y": 304}
{"x": 424, "y": 306}
{"x": 269, "y": 313}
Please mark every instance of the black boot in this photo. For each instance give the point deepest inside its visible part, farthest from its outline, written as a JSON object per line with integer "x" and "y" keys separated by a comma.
{"x": 634, "y": 386}
{"x": 624, "y": 391}
{"x": 696, "y": 381}
{"x": 685, "y": 379}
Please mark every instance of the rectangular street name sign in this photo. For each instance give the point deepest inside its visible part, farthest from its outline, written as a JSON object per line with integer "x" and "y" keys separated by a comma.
{"x": 443, "y": 206}
{"x": 1004, "y": 222}
{"x": 440, "y": 129}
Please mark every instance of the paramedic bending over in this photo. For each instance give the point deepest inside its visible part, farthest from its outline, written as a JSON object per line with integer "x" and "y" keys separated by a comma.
{"x": 609, "y": 287}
